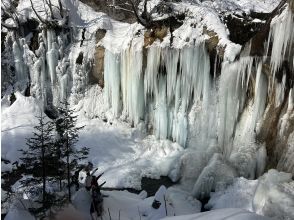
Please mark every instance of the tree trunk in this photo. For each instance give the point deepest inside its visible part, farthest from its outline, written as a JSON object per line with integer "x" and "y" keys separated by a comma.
{"x": 67, "y": 156}
{"x": 68, "y": 171}
{"x": 43, "y": 163}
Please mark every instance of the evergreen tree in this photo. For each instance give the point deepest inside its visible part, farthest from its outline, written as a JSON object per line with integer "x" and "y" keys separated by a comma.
{"x": 68, "y": 133}
{"x": 36, "y": 158}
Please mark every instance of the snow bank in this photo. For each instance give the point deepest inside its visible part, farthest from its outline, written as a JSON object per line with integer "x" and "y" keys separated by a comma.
{"x": 229, "y": 214}
{"x": 239, "y": 195}
{"x": 270, "y": 196}
{"x": 182, "y": 201}
{"x": 17, "y": 123}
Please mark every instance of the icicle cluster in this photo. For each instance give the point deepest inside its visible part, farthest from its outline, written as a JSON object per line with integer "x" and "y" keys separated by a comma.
{"x": 162, "y": 94}
{"x": 281, "y": 37}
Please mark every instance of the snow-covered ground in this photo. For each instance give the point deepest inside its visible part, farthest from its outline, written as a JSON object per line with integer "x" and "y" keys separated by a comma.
{"x": 115, "y": 148}
{"x": 122, "y": 205}
{"x": 125, "y": 154}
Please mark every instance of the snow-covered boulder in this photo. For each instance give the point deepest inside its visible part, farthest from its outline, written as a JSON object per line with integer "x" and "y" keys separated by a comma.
{"x": 238, "y": 195}
{"x": 215, "y": 176}
{"x": 274, "y": 195}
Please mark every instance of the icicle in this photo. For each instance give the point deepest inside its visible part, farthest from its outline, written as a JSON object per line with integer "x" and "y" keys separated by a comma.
{"x": 132, "y": 84}
{"x": 260, "y": 95}
{"x": 112, "y": 81}
{"x": 291, "y": 100}
{"x": 171, "y": 63}
{"x": 20, "y": 67}
{"x": 280, "y": 91}
{"x": 52, "y": 55}
{"x": 232, "y": 98}
{"x": 282, "y": 38}
{"x": 161, "y": 112}
{"x": 153, "y": 62}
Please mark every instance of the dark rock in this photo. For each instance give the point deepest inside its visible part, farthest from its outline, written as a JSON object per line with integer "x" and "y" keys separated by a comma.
{"x": 27, "y": 92}
{"x": 152, "y": 35}
{"x": 51, "y": 112}
{"x": 241, "y": 29}
{"x": 97, "y": 73}
{"x": 3, "y": 36}
{"x": 12, "y": 98}
{"x": 30, "y": 26}
{"x": 80, "y": 58}
{"x": 152, "y": 185}
{"x": 100, "y": 34}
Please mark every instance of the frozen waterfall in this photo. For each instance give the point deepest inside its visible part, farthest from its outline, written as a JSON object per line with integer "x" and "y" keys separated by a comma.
{"x": 163, "y": 94}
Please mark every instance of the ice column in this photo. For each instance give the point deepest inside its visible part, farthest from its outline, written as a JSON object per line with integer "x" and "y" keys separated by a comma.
{"x": 232, "y": 90}
{"x": 132, "y": 84}
{"x": 282, "y": 38}
{"x": 112, "y": 81}
{"x": 20, "y": 67}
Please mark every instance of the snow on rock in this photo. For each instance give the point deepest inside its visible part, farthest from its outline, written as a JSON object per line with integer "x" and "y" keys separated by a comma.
{"x": 160, "y": 199}
{"x": 215, "y": 176}
{"x": 229, "y": 214}
{"x": 238, "y": 195}
{"x": 243, "y": 5}
{"x": 182, "y": 201}
{"x": 280, "y": 202}
{"x": 121, "y": 35}
{"x": 267, "y": 194}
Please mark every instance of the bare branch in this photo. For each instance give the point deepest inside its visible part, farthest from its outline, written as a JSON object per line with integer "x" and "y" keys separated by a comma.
{"x": 39, "y": 17}
{"x": 60, "y": 8}
{"x": 50, "y": 8}
{"x": 139, "y": 19}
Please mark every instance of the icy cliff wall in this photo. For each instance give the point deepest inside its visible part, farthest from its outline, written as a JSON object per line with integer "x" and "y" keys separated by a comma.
{"x": 230, "y": 107}
{"x": 177, "y": 95}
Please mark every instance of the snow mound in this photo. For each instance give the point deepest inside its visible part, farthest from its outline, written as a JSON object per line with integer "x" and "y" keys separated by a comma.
{"x": 182, "y": 201}
{"x": 238, "y": 195}
{"x": 274, "y": 195}
{"x": 220, "y": 214}
{"x": 17, "y": 123}
{"x": 215, "y": 176}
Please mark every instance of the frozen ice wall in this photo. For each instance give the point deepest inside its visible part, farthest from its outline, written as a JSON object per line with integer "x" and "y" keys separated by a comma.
{"x": 176, "y": 97}
{"x": 161, "y": 94}
{"x": 281, "y": 37}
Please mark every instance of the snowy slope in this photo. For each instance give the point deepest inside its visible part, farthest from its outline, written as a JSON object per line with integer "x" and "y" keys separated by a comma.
{"x": 117, "y": 149}
{"x": 17, "y": 123}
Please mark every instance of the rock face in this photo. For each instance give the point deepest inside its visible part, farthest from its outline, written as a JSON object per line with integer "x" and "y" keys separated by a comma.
{"x": 242, "y": 29}
{"x": 152, "y": 35}
{"x": 125, "y": 14}
{"x": 96, "y": 74}
{"x": 267, "y": 90}
{"x": 98, "y": 67}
